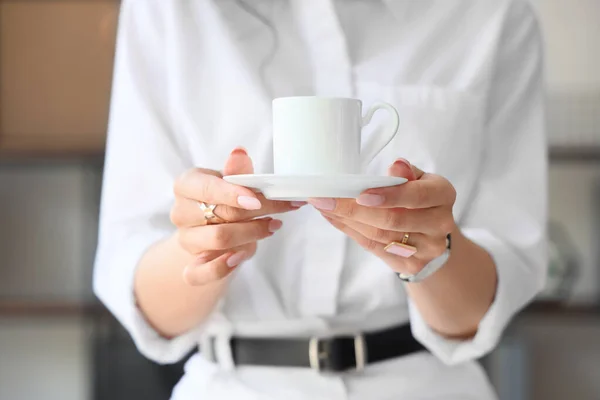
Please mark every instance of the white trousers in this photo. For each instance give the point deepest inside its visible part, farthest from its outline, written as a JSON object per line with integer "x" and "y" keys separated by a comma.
{"x": 419, "y": 376}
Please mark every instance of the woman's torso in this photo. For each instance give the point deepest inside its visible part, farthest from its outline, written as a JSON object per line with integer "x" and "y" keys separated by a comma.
{"x": 432, "y": 60}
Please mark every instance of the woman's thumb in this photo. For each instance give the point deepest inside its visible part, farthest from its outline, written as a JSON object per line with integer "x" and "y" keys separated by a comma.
{"x": 402, "y": 168}
{"x": 238, "y": 163}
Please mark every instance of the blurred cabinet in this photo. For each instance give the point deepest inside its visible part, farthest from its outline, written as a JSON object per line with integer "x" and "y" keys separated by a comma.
{"x": 56, "y": 60}
{"x": 549, "y": 356}
{"x": 122, "y": 373}
{"x": 48, "y": 235}
{"x": 45, "y": 359}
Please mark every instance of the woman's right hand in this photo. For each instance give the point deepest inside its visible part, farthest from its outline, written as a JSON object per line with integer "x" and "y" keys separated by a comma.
{"x": 219, "y": 247}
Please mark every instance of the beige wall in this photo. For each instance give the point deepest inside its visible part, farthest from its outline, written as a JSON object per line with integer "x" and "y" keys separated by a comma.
{"x": 571, "y": 30}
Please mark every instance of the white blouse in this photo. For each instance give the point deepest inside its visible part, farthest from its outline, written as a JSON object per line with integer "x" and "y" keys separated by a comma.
{"x": 193, "y": 79}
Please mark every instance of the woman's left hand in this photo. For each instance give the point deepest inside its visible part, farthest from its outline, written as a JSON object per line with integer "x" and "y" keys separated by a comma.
{"x": 421, "y": 208}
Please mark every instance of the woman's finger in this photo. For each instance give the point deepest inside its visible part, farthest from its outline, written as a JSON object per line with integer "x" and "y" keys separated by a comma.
{"x": 239, "y": 162}
{"x": 226, "y": 236}
{"x": 427, "y": 247}
{"x": 401, "y": 167}
{"x": 186, "y": 213}
{"x": 430, "y": 191}
{"x": 402, "y": 264}
{"x": 269, "y": 207}
{"x": 428, "y": 220}
{"x": 203, "y": 271}
{"x": 198, "y": 185}
{"x": 209, "y": 255}
{"x": 421, "y": 191}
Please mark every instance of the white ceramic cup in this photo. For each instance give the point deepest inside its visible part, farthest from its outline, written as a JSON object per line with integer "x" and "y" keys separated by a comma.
{"x": 322, "y": 135}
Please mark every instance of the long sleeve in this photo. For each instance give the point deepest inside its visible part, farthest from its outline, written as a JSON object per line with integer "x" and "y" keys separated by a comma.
{"x": 142, "y": 160}
{"x": 507, "y": 217}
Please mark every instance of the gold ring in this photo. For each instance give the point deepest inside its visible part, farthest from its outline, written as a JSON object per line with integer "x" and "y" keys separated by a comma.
{"x": 405, "y": 238}
{"x": 208, "y": 210}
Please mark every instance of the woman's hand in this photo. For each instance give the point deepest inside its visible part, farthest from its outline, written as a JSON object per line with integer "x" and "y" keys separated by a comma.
{"x": 226, "y": 241}
{"x": 454, "y": 299}
{"x": 421, "y": 208}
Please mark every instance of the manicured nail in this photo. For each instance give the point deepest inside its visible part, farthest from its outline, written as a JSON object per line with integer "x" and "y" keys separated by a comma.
{"x": 275, "y": 225}
{"x": 249, "y": 203}
{"x": 239, "y": 150}
{"x": 402, "y": 250}
{"x": 370, "y": 200}
{"x": 297, "y": 203}
{"x": 236, "y": 259}
{"x": 403, "y": 161}
{"x": 323, "y": 204}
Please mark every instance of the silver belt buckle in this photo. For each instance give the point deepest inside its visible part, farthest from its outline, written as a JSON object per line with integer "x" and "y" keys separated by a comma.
{"x": 316, "y": 355}
{"x": 207, "y": 347}
{"x": 360, "y": 351}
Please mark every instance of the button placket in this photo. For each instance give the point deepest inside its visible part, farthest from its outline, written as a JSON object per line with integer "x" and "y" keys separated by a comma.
{"x": 332, "y": 71}
{"x": 326, "y": 43}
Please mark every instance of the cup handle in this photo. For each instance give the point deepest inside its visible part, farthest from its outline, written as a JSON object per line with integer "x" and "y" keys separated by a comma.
{"x": 382, "y": 136}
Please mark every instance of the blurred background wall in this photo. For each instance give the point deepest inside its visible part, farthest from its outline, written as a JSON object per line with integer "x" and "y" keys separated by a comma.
{"x": 57, "y": 342}
{"x": 554, "y": 352}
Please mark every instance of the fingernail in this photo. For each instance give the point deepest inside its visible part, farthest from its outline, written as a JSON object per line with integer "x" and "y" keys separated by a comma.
{"x": 403, "y": 161}
{"x": 323, "y": 204}
{"x": 249, "y": 203}
{"x": 275, "y": 225}
{"x": 297, "y": 203}
{"x": 236, "y": 259}
{"x": 402, "y": 250}
{"x": 370, "y": 200}
{"x": 239, "y": 150}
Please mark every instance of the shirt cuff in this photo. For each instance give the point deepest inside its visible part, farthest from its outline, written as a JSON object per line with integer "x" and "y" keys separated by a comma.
{"x": 518, "y": 282}
{"x": 114, "y": 284}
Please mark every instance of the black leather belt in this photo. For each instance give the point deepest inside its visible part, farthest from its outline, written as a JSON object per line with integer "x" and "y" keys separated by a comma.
{"x": 331, "y": 354}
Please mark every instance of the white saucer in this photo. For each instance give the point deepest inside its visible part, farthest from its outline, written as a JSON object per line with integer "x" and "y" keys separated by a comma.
{"x": 301, "y": 187}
